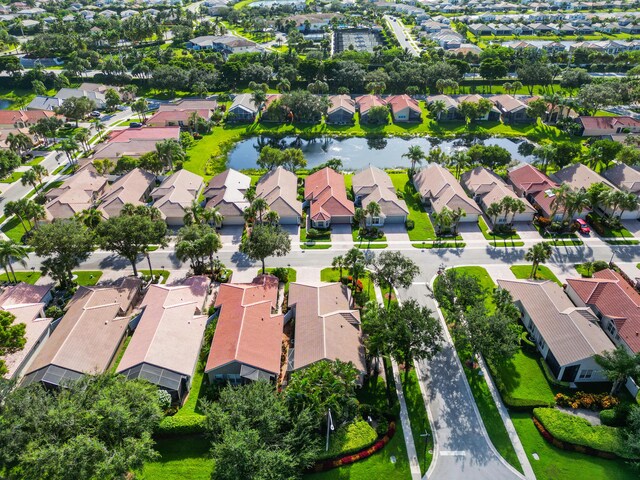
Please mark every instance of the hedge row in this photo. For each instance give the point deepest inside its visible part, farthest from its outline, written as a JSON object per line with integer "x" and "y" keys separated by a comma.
{"x": 181, "y": 425}
{"x": 346, "y": 460}
{"x": 570, "y": 432}
{"x": 350, "y": 438}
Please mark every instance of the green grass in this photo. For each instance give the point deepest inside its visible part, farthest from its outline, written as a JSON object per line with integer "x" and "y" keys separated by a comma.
{"x": 499, "y": 239}
{"x": 164, "y": 273}
{"x": 378, "y": 466}
{"x": 293, "y": 276}
{"x": 609, "y": 232}
{"x": 120, "y": 353}
{"x": 523, "y": 378}
{"x": 567, "y": 242}
{"x": 36, "y": 160}
{"x": 215, "y": 145}
{"x": 180, "y": 458}
{"x": 14, "y": 229}
{"x": 623, "y": 242}
{"x": 439, "y": 244}
{"x": 418, "y": 417}
{"x": 87, "y": 278}
{"x": 556, "y": 464}
{"x": 523, "y": 272}
{"x": 315, "y": 246}
{"x": 325, "y": 235}
{"x": 25, "y": 276}
{"x": 14, "y": 177}
{"x": 371, "y": 246}
{"x": 333, "y": 275}
{"x": 423, "y": 229}
{"x": 355, "y": 234}
{"x": 350, "y": 438}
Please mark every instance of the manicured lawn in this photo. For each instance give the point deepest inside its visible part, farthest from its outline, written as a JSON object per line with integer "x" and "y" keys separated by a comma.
{"x": 523, "y": 272}
{"x": 87, "y": 278}
{"x": 355, "y": 233}
{"x": 523, "y": 378}
{"x": 378, "y": 466}
{"x": 324, "y": 236}
{"x": 164, "y": 273}
{"x": 36, "y": 160}
{"x": 364, "y": 245}
{"x": 423, "y": 229}
{"x": 418, "y": 417}
{"x": 293, "y": 275}
{"x": 350, "y": 438}
{"x": 215, "y": 145}
{"x": 25, "y": 276}
{"x": 315, "y": 246}
{"x": 499, "y": 239}
{"x": 180, "y": 458}
{"x": 556, "y": 464}
{"x": 120, "y": 353}
{"x": 14, "y": 229}
{"x": 608, "y": 232}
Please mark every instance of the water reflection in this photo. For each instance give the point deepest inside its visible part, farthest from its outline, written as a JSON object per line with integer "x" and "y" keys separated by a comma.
{"x": 356, "y": 153}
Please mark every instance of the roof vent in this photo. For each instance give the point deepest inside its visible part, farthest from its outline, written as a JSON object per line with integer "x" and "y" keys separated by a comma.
{"x": 106, "y": 322}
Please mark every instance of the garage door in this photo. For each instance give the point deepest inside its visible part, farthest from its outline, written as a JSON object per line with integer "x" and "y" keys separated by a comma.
{"x": 395, "y": 219}
{"x": 233, "y": 221}
{"x": 524, "y": 217}
{"x": 290, "y": 220}
{"x": 469, "y": 219}
{"x": 340, "y": 220}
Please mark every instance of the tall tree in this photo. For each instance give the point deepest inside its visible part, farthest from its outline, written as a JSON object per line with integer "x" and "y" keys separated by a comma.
{"x": 11, "y": 252}
{"x": 618, "y": 365}
{"x": 198, "y": 243}
{"x": 339, "y": 263}
{"x": 169, "y": 152}
{"x": 393, "y": 269}
{"x": 416, "y": 156}
{"x": 76, "y": 108}
{"x": 64, "y": 244}
{"x": 265, "y": 240}
{"x": 537, "y": 254}
{"x": 131, "y": 233}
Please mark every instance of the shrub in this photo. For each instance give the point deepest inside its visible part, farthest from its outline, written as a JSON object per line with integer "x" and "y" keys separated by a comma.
{"x": 578, "y": 431}
{"x": 617, "y": 416}
{"x": 600, "y": 265}
{"x": 359, "y": 285}
{"x": 382, "y": 427}
{"x": 54, "y": 312}
{"x": 349, "y": 439}
{"x": 181, "y": 425}
{"x": 410, "y": 224}
{"x": 281, "y": 273}
{"x": 527, "y": 344}
{"x": 164, "y": 399}
{"x": 590, "y": 401}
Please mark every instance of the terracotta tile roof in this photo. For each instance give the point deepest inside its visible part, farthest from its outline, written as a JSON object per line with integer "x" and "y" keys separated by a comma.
{"x": 326, "y": 328}
{"x": 365, "y": 102}
{"x": 614, "y": 298}
{"x": 87, "y": 337}
{"x": 341, "y": 102}
{"x": 530, "y": 180}
{"x": 400, "y": 102}
{"x": 247, "y": 332}
{"x": 327, "y": 195}
{"x": 169, "y": 333}
{"x": 572, "y": 334}
{"x": 145, "y": 133}
{"x": 11, "y": 117}
{"x": 440, "y": 186}
{"x": 604, "y": 123}
{"x": 23, "y": 293}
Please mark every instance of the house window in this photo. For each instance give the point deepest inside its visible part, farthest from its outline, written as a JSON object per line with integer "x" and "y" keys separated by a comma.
{"x": 375, "y": 221}
{"x": 320, "y": 224}
{"x": 611, "y": 328}
{"x": 584, "y": 374}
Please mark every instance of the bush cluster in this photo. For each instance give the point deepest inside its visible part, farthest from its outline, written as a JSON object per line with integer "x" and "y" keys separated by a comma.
{"x": 590, "y": 401}
{"x": 350, "y": 438}
{"x": 410, "y": 224}
{"x": 281, "y": 273}
{"x": 181, "y": 425}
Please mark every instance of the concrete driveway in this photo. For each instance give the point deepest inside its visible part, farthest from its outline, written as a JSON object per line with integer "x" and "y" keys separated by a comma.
{"x": 463, "y": 450}
{"x": 294, "y": 235}
{"x": 395, "y": 233}
{"x": 341, "y": 234}
{"x": 527, "y": 231}
{"x": 231, "y": 234}
{"x": 470, "y": 231}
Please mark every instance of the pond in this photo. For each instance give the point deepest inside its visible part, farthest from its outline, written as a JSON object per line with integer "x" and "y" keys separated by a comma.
{"x": 357, "y": 153}
{"x": 4, "y": 103}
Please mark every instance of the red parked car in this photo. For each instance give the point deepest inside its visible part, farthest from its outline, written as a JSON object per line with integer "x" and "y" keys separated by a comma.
{"x": 583, "y": 227}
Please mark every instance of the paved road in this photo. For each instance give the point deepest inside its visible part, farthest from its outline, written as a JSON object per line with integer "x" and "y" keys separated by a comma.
{"x": 401, "y": 35}
{"x": 463, "y": 450}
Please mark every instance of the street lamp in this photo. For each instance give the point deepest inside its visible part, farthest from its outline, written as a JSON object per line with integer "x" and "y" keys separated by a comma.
{"x": 330, "y": 428}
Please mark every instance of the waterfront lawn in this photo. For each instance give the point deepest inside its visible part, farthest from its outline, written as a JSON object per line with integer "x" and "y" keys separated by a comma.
{"x": 213, "y": 146}
{"x": 523, "y": 272}
{"x": 27, "y": 277}
{"x": 180, "y": 458}
{"x": 423, "y": 228}
{"x": 87, "y": 278}
{"x": 556, "y": 464}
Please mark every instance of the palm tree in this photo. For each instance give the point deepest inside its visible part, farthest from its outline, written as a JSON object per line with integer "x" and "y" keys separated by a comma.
{"x": 360, "y": 216}
{"x": 141, "y": 106}
{"x": 35, "y": 212}
{"x": 16, "y": 208}
{"x": 537, "y": 254}
{"x": 629, "y": 202}
{"x": 618, "y": 365}
{"x": 259, "y": 97}
{"x": 69, "y": 147}
{"x": 559, "y": 198}
{"x": 91, "y": 217}
{"x": 443, "y": 219}
{"x": 260, "y": 206}
{"x": 339, "y": 263}
{"x": 437, "y": 108}
{"x": 575, "y": 202}
{"x": 494, "y": 210}
{"x": 10, "y": 251}
{"x": 193, "y": 213}
{"x": 18, "y": 142}
{"x": 193, "y": 120}
{"x": 416, "y": 155}
{"x": 212, "y": 216}
{"x": 457, "y": 215}
{"x": 250, "y": 194}
{"x": 272, "y": 217}
{"x": 373, "y": 210}
{"x": 169, "y": 151}
{"x": 459, "y": 160}
{"x": 100, "y": 127}
{"x": 29, "y": 178}
{"x": 83, "y": 137}
{"x": 517, "y": 206}
{"x": 39, "y": 172}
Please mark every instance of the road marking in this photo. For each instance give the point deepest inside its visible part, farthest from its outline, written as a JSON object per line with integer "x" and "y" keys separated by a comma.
{"x": 453, "y": 453}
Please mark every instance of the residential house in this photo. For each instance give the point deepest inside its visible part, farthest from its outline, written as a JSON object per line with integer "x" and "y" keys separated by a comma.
{"x": 341, "y": 110}
{"x": 364, "y": 103}
{"x": 625, "y": 177}
{"x": 614, "y": 302}
{"x": 493, "y": 115}
{"x": 279, "y": 188}
{"x": 533, "y": 185}
{"x": 77, "y": 193}
{"x": 27, "y": 303}
{"x": 88, "y": 336}
{"x": 180, "y": 117}
{"x": 567, "y": 337}
{"x": 374, "y": 185}
{"x": 247, "y": 344}
{"x": 326, "y": 195}
{"x": 579, "y": 177}
{"x": 22, "y": 119}
{"x": 438, "y": 188}
{"x": 134, "y": 142}
{"x": 487, "y": 188}
{"x": 598, "y": 126}
{"x": 133, "y": 187}
{"x": 226, "y": 192}
{"x": 243, "y": 109}
{"x": 326, "y": 326}
{"x": 404, "y": 109}
{"x": 175, "y": 194}
{"x": 513, "y": 110}
{"x": 166, "y": 342}
{"x": 42, "y": 102}
{"x": 98, "y": 97}
{"x": 450, "y": 112}
{"x": 225, "y": 44}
